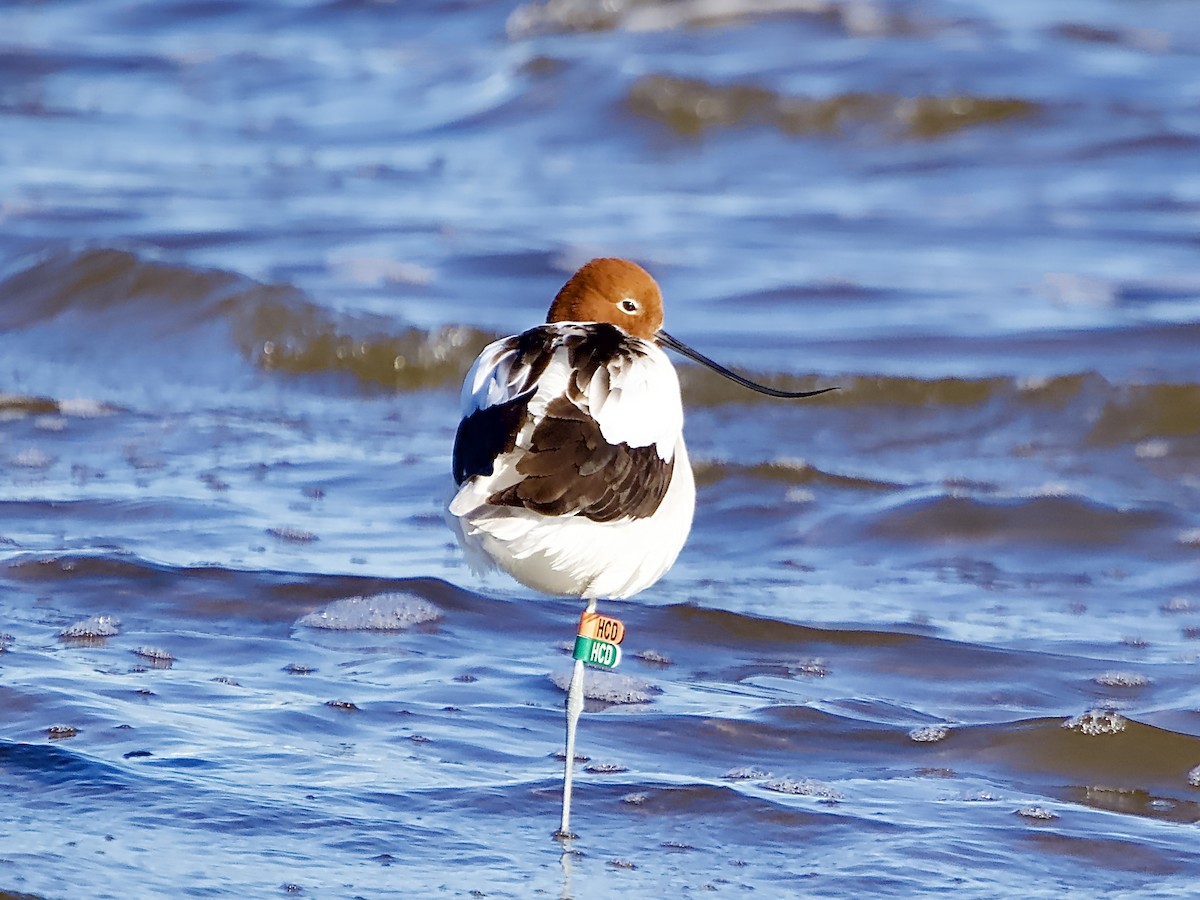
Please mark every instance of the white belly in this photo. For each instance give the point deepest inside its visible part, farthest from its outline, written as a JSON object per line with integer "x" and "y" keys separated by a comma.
{"x": 572, "y": 555}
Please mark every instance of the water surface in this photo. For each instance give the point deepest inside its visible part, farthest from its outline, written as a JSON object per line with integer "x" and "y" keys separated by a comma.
{"x": 934, "y": 631}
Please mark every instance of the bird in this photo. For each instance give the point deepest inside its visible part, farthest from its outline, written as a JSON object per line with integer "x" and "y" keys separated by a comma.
{"x": 569, "y": 461}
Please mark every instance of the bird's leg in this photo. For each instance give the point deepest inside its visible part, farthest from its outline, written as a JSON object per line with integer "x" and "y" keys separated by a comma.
{"x": 574, "y": 708}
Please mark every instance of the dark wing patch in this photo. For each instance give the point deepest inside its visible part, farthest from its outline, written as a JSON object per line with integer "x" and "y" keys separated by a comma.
{"x": 598, "y": 345}
{"x": 485, "y": 434}
{"x": 532, "y": 352}
{"x": 570, "y": 468}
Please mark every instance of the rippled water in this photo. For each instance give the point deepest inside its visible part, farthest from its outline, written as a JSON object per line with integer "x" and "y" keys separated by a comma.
{"x": 935, "y": 631}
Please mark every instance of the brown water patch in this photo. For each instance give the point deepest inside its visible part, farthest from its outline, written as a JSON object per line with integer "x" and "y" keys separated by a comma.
{"x": 1126, "y": 755}
{"x": 1107, "y": 853}
{"x": 700, "y": 627}
{"x": 1138, "y": 412}
{"x": 788, "y": 472}
{"x": 22, "y": 404}
{"x": 691, "y": 106}
{"x": 302, "y": 339}
{"x": 1034, "y": 520}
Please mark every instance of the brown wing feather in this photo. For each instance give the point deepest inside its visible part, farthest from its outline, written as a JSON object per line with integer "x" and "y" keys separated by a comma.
{"x": 567, "y": 467}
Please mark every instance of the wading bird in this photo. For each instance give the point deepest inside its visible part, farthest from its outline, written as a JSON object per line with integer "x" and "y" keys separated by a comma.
{"x": 571, "y": 469}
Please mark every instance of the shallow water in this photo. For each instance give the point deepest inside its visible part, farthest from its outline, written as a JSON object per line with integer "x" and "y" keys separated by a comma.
{"x": 937, "y": 630}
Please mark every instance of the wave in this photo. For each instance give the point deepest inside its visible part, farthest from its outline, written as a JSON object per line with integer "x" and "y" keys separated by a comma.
{"x": 787, "y": 471}
{"x": 165, "y": 314}
{"x": 158, "y": 317}
{"x": 1033, "y": 520}
{"x": 1134, "y": 768}
{"x": 50, "y": 766}
{"x": 780, "y": 753}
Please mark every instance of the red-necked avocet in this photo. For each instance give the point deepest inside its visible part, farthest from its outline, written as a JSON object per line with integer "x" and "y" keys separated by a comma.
{"x": 570, "y": 463}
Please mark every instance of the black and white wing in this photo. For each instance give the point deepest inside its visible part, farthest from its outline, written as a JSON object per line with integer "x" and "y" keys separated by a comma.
{"x": 570, "y": 419}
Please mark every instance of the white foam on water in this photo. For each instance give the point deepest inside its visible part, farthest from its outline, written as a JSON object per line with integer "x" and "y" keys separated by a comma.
{"x": 928, "y": 734}
{"x": 92, "y": 627}
{"x": 1039, "y": 813}
{"x": 84, "y": 407}
{"x": 157, "y": 654}
{"x": 802, "y": 787}
{"x": 1122, "y": 679}
{"x": 745, "y": 773}
{"x": 393, "y": 611}
{"x": 1097, "y": 721}
{"x": 610, "y": 687}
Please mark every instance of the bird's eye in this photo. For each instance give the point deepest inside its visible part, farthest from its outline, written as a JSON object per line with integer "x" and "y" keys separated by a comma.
{"x": 630, "y": 306}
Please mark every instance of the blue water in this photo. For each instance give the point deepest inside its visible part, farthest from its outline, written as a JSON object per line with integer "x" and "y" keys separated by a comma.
{"x": 935, "y": 631}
